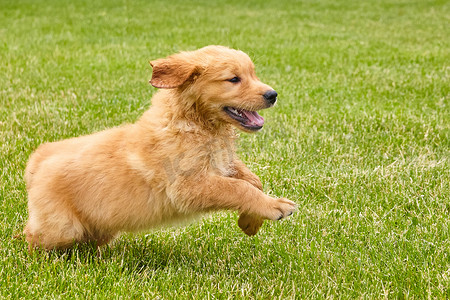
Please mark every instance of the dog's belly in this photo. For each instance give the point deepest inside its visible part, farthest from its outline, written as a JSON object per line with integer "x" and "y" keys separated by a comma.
{"x": 157, "y": 211}
{"x": 121, "y": 200}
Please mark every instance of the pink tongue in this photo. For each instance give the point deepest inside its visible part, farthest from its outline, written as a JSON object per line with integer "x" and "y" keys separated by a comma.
{"x": 254, "y": 117}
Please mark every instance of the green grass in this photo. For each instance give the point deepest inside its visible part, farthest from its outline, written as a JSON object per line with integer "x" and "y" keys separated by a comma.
{"x": 360, "y": 140}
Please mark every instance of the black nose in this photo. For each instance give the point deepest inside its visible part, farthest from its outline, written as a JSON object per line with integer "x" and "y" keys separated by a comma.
{"x": 271, "y": 97}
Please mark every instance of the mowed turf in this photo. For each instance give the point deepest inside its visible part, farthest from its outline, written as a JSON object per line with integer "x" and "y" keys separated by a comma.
{"x": 360, "y": 139}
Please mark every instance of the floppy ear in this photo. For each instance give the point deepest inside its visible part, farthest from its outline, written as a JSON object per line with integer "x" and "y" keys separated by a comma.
{"x": 171, "y": 72}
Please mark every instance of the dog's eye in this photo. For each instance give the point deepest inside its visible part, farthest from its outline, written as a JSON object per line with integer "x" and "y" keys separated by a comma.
{"x": 234, "y": 79}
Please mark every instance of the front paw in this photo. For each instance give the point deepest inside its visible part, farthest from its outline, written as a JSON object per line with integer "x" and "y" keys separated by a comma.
{"x": 249, "y": 224}
{"x": 277, "y": 209}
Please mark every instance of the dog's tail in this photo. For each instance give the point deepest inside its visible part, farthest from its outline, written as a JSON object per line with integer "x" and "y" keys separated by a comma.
{"x": 34, "y": 162}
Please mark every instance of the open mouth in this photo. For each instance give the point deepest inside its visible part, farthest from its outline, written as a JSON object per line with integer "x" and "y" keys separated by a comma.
{"x": 248, "y": 119}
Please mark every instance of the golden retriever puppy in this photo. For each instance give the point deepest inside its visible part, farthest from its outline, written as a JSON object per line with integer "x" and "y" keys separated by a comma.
{"x": 177, "y": 161}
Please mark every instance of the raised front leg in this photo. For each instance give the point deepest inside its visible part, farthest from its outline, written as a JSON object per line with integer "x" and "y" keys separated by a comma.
{"x": 214, "y": 192}
{"x": 244, "y": 173}
{"x": 250, "y": 224}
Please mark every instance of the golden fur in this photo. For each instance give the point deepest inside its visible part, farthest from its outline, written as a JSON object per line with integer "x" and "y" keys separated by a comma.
{"x": 175, "y": 162}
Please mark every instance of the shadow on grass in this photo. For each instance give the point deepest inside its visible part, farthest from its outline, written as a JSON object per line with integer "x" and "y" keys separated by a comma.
{"x": 129, "y": 254}
{"x": 146, "y": 253}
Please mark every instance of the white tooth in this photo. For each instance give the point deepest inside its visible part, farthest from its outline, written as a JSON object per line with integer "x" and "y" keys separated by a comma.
{"x": 236, "y": 112}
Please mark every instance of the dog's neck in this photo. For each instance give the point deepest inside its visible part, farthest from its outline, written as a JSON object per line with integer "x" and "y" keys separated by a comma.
{"x": 181, "y": 112}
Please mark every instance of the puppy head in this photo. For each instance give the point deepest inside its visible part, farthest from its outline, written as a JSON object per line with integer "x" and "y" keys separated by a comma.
{"x": 222, "y": 83}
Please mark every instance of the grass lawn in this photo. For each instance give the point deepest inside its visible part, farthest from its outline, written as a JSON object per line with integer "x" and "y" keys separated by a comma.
{"x": 360, "y": 139}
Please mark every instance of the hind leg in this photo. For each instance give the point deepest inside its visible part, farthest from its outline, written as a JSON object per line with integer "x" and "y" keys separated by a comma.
{"x": 54, "y": 228}
{"x": 52, "y": 236}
